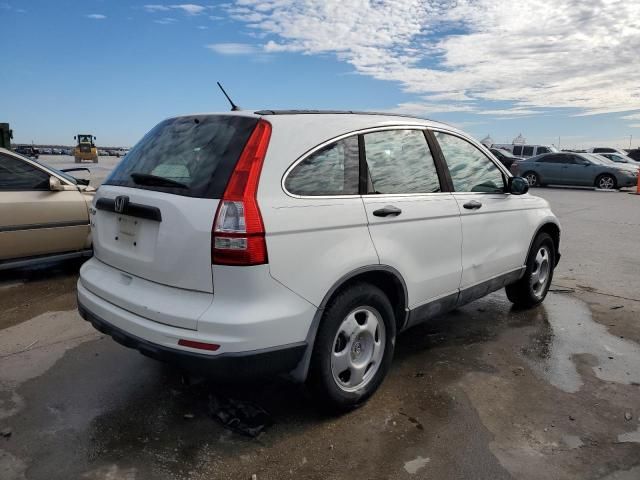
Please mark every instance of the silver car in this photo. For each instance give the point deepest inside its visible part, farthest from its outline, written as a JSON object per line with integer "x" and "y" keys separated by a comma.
{"x": 580, "y": 169}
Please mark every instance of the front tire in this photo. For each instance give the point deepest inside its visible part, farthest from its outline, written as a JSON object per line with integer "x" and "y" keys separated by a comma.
{"x": 532, "y": 178}
{"x": 606, "y": 182}
{"x": 532, "y": 288}
{"x": 354, "y": 347}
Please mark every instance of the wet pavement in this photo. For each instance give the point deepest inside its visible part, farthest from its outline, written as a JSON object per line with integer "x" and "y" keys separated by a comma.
{"x": 486, "y": 392}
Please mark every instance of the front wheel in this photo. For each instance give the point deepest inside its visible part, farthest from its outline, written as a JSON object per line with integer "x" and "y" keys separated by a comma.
{"x": 605, "y": 182}
{"x": 354, "y": 347}
{"x": 533, "y": 179}
{"x": 532, "y": 288}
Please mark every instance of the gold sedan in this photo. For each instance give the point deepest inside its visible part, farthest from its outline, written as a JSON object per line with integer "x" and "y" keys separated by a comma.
{"x": 44, "y": 213}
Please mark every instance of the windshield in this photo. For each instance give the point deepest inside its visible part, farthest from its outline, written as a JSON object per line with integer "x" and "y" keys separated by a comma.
{"x": 191, "y": 156}
{"x": 84, "y": 138}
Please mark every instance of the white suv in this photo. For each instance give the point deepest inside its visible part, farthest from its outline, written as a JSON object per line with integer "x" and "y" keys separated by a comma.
{"x": 304, "y": 241}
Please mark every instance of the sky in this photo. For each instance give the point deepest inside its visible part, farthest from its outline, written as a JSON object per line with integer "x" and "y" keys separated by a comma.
{"x": 562, "y": 72}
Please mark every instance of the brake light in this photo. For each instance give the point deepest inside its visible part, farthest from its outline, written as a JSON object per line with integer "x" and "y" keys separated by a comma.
{"x": 238, "y": 232}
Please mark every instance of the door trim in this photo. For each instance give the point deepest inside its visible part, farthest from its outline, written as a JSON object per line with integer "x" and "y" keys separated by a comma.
{"x": 36, "y": 226}
{"x": 446, "y": 303}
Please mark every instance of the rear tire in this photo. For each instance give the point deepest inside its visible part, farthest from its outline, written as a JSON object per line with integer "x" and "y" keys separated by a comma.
{"x": 606, "y": 182}
{"x": 353, "y": 348}
{"x": 532, "y": 288}
{"x": 532, "y": 178}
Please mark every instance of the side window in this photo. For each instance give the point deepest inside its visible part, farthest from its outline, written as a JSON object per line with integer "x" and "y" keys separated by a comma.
{"x": 527, "y": 151}
{"x": 332, "y": 170}
{"x": 16, "y": 175}
{"x": 470, "y": 169}
{"x": 517, "y": 150}
{"x": 542, "y": 150}
{"x": 550, "y": 159}
{"x": 400, "y": 161}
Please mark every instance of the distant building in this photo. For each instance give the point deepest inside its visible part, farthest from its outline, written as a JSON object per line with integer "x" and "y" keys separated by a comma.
{"x": 487, "y": 141}
{"x": 519, "y": 140}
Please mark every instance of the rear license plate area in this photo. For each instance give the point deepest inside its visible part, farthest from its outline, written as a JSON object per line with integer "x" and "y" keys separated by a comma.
{"x": 128, "y": 230}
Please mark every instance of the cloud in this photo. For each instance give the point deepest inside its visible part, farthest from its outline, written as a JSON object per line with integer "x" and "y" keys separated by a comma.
{"x": 529, "y": 53}
{"x": 188, "y": 8}
{"x": 633, "y": 116}
{"x": 165, "y": 21}
{"x": 233, "y": 48}
{"x": 96, "y": 16}
{"x": 156, "y": 8}
{"x": 635, "y": 125}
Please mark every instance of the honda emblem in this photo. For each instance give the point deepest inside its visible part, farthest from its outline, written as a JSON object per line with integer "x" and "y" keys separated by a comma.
{"x": 121, "y": 203}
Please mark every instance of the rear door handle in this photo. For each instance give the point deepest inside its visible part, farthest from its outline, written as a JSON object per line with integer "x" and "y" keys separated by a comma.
{"x": 387, "y": 211}
{"x": 472, "y": 205}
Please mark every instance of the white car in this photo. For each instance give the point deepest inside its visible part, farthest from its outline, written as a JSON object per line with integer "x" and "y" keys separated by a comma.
{"x": 304, "y": 242}
{"x": 607, "y": 150}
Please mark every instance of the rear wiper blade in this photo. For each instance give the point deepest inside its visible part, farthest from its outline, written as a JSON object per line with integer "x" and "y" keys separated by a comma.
{"x": 148, "y": 179}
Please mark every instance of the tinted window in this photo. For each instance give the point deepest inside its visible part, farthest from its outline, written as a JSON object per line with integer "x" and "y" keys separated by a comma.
{"x": 527, "y": 151}
{"x": 199, "y": 152}
{"x": 470, "y": 169}
{"x": 551, "y": 159}
{"x": 517, "y": 150}
{"x": 400, "y": 161}
{"x": 16, "y": 175}
{"x": 603, "y": 150}
{"x": 333, "y": 170}
{"x": 542, "y": 150}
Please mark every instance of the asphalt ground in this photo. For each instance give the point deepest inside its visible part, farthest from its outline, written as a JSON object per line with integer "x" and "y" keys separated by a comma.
{"x": 486, "y": 392}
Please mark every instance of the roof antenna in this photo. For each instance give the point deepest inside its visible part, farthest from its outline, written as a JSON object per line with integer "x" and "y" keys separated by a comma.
{"x": 234, "y": 107}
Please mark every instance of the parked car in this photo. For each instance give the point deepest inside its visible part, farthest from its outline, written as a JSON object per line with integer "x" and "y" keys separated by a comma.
{"x": 525, "y": 151}
{"x": 30, "y": 152}
{"x": 505, "y": 156}
{"x": 304, "y": 242}
{"x": 103, "y": 153}
{"x": 44, "y": 213}
{"x": 619, "y": 151}
{"x": 617, "y": 158}
{"x": 635, "y": 154}
{"x": 580, "y": 169}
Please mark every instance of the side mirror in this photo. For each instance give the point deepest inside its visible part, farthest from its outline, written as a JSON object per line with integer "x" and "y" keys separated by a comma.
{"x": 518, "y": 185}
{"x": 55, "y": 185}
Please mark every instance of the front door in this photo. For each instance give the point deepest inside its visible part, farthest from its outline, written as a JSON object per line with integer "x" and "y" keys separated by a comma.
{"x": 414, "y": 224}
{"x": 33, "y": 219}
{"x": 495, "y": 227}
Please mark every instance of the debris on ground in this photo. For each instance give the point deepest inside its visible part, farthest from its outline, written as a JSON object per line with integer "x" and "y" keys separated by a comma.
{"x": 518, "y": 371}
{"x": 242, "y": 417}
{"x": 616, "y": 307}
{"x": 628, "y": 416}
{"x": 188, "y": 416}
{"x": 6, "y": 432}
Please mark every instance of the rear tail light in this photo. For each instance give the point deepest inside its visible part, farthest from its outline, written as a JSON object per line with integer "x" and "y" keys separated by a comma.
{"x": 238, "y": 231}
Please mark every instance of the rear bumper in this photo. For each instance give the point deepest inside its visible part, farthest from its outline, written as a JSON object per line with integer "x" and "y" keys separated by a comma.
{"x": 225, "y": 366}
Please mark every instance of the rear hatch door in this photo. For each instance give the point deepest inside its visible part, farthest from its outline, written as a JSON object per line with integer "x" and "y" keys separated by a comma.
{"x": 154, "y": 214}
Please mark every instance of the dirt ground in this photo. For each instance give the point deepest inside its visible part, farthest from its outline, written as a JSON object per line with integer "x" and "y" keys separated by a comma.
{"x": 485, "y": 392}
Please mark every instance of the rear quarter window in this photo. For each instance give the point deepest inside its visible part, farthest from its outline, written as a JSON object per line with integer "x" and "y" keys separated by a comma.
{"x": 199, "y": 152}
{"x": 332, "y": 170}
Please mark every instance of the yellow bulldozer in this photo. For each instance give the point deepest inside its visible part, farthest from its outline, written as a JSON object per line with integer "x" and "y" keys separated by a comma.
{"x": 86, "y": 148}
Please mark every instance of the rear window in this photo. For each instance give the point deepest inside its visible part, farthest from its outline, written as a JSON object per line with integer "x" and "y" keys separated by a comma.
{"x": 191, "y": 156}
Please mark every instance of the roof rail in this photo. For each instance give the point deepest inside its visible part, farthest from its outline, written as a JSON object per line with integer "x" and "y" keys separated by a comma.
{"x": 334, "y": 112}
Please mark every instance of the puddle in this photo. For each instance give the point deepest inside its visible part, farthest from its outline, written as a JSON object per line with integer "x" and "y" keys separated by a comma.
{"x": 571, "y": 331}
{"x": 630, "y": 436}
{"x": 412, "y": 466}
{"x": 572, "y": 441}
